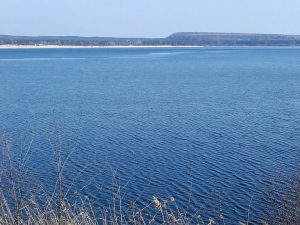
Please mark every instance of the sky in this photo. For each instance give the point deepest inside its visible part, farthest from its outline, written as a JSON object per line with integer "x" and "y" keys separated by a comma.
{"x": 147, "y": 18}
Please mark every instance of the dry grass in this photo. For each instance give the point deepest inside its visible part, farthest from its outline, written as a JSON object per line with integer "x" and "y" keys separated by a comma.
{"x": 21, "y": 206}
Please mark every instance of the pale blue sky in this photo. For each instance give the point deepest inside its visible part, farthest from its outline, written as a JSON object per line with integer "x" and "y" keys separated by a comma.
{"x": 147, "y": 18}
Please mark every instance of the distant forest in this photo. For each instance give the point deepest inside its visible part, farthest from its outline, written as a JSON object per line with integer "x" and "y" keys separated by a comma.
{"x": 176, "y": 39}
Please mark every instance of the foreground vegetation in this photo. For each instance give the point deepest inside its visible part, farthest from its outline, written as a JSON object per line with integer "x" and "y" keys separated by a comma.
{"x": 21, "y": 205}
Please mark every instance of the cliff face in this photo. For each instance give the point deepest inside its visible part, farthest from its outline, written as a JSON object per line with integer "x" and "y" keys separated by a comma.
{"x": 176, "y": 39}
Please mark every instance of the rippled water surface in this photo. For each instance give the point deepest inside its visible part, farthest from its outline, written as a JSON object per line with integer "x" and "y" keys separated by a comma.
{"x": 206, "y": 126}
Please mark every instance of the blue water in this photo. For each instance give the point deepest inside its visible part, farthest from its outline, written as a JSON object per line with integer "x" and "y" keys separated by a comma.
{"x": 207, "y": 126}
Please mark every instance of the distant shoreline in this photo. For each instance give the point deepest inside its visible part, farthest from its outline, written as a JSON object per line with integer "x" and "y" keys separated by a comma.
{"x": 80, "y": 46}
{"x": 175, "y": 40}
{"x": 129, "y": 46}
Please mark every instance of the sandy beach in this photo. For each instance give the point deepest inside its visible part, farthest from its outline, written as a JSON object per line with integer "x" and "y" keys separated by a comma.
{"x": 80, "y": 46}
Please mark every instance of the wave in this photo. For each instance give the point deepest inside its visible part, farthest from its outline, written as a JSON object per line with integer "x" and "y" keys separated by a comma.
{"x": 166, "y": 53}
{"x": 149, "y": 55}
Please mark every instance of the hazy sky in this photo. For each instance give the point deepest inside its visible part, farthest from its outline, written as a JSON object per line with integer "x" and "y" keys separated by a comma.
{"x": 147, "y": 18}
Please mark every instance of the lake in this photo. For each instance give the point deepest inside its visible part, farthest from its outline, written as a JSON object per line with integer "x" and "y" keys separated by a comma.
{"x": 208, "y": 126}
